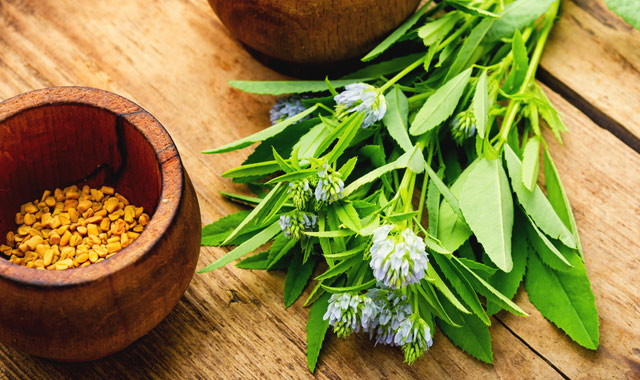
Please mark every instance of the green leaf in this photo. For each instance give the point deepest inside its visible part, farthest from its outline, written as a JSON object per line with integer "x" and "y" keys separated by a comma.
{"x": 246, "y": 247}
{"x": 466, "y": 8}
{"x": 508, "y": 283}
{"x": 283, "y": 142}
{"x": 399, "y": 32}
{"x": 444, "y": 289}
{"x": 348, "y": 216}
{"x": 396, "y": 118}
{"x": 437, "y": 29}
{"x": 401, "y": 217}
{"x": 281, "y": 246}
{"x": 383, "y": 68}
{"x": 433, "y": 208}
{"x": 399, "y": 163}
{"x": 258, "y": 261}
{"x": 317, "y": 328}
{"x": 487, "y": 207}
{"x": 351, "y": 128}
{"x": 531, "y": 163}
{"x": 462, "y": 286}
{"x": 535, "y": 204}
{"x": 340, "y": 268}
{"x": 440, "y": 105}
{"x": 480, "y": 269}
{"x": 330, "y": 234}
{"x": 473, "y": 335}
{"x": 516, "y": 15}
{"x": 432, "y": 303}
{"x": 447, "y": 194}
{"x": 480, "y": 104}
{"x": 289, "y": 87}
{"x": 469, "y": 47}
{"x": 629, "y": 10}
{"x": 298, "y": 276}
{"x": 558, "y": 198}
{"x": 294, "y": 176}
{"x": 545, "y": 249}
{"x": 520, "y": 65}
{"x": 215, "y": 233}
{"x": 453, "y": 231}
{"x": 346, "y": 169}
{"x": 353, "y": 288}
{"x": 284, "y": 166}
{"x": 263, "y": 134}
{"x": 375, "y": 153}
{"x": 565, "y": 298}
{"x": 256, "y": 212}
{"x": 484, "y": 288}
{"x": 257, "y": 169}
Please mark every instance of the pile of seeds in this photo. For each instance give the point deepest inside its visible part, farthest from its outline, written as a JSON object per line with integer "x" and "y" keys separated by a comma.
{"x": 72, "y": 228}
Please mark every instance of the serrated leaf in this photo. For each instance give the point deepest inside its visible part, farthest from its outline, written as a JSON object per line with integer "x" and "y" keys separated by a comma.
{"x": 390, "y": 66}
{"x": 468, "y": 48}
{"x": 399, "y": 163}
{"x": 517, "y": 15}
{"x": 558, "y": 198}
{"x": 353, "y": 288}
{"x": 250, "y": 170}
{"x": 520, "y": 65}
{"x": 263, "y": 134}
{"x": 480, "y": 269}
{"x": 283, "y": 142}
{"x": 215, "y": 233}
{"x": 453, "y": 231}
{"x": 298, "y": 276}
{"x": 258, "y": 261}
{"x": 316, "y": 330}
{"x": 246, "y": 247}
{"x": 531, "y": 163}
{"x": 289, "y": 87}
{"x": 281, "y": 246}
{"x": 484, "y": 288}
{"x": 397, "y": 33}
{"x": 565, "y": 298}
{"x": 340, "y": 268}
{"x": 440, "y": 105}
{"x": 466, "y": 8}
{"x": 629, "y": 10}
{"x": 351, "y": 129}
{"x": 487, "y": 206}
{"x": 535, "y": 204}
{"x": 432, "y": 303}
{"x": 508, "y": 283}
{"x": 472, "y": 337}
{"x": 348, "y": 216}
{"x": 396, "y": 118}
{"x": 436, "y": 30}
{"x": 480, "y": 104}
{"x": 433, "y": 277}
{"x": 462, "y": 287}
{"x": 545, "y": 249}
{"x": 346, "y": 169}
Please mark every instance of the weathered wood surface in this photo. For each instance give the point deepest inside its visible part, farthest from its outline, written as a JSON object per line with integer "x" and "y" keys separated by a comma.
{"x": 174, "y": 58}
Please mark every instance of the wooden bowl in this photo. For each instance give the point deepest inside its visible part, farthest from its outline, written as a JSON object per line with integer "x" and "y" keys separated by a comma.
{"x": 312, "y": 32}
{"x": 61, "y": 136}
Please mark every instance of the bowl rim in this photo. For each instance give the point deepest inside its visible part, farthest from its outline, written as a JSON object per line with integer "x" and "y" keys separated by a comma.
{"x": 171, "y": 191}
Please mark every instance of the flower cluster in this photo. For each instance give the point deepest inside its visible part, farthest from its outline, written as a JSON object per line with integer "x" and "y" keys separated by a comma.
{"x": 398, "y": 260}
{"x": 295, "y": 223}
{"x": 285, "y": 108}
{"x": 383, "y": 313}
{"x": 300, "y": 193}
{"x": 362, "y": 97}
{"x": 463, "y": 126}
{"x": 330, "y": 187}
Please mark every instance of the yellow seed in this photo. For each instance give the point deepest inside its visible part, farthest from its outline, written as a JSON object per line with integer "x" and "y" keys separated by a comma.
{"x": 124, "y": 240}
{"x": 41, "y": 249}
{"x": 72, "y": 195}
{"x": 5, "y": 248}
{"x": 111, "y": 204}
{"x": 93, "y": 257}
{"x": 105, "y": 224}
{"x": 97, "y": 195}
{"x": 24, "y": 230}
{"x": 139, "y": 211}
{"x": 48, "y": 257}
{"x": 54, "y": 237}
{"x": 50, "y": 201}
{"x": 59, "y": 266}
{"x": 82, "y": 230}
{"x": 30, "y": 264}
{"x": 118, "y": 227}
{"x": 132, "y": 235}
{"x": 29, "y": 219}
{"x": 34, "y": 241}
{"x": 64, "y": 218}
{"x": 35, "y": 232}
{"x": 68, "y": 252}
{"x": 45, "y": 219}
{"x": 11, "y": 237}
{"x": 114, "y": 247}
{"x": 45, "y": 195}
{"x": 82, "y": 257}
{"x": 101, "y": 250}
{"x": 64, "y": 240}
{"x": 107, "y": 190}
{"x": 55, "y": 222}
{"x": 75, "y": 239}
{"x": 92, "y": 229}
{"x": 30, "y": 208}
{"x": 138, "y": 229}
{"x": 129, "y": 214}
{"x": 101, "y": 212}
{"x": 19, "y": 218}
{"x": 93, "y": 219}
{"x": 70, "y": 203}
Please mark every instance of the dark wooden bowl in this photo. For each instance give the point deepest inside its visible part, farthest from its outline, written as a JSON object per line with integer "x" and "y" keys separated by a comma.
{"x": 65, "y": 135}
{"x": 312, "y": 32}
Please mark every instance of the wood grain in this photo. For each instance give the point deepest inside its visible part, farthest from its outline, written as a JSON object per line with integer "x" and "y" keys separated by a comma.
{"x": 174, "y": 58}
{"x": 594, "y": 58}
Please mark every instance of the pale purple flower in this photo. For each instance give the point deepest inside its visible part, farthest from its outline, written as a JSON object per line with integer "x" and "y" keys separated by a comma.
{"x": 362, "y": 97}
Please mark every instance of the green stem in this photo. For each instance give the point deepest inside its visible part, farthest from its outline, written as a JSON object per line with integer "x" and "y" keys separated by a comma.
{"x": 514, "y": 105}
{"x": 401, "y": 74}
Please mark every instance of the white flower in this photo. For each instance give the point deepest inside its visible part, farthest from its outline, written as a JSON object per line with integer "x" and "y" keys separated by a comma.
{"x": 330, "y": 187}
{"x": 349, "y": 313}
{"x": 285, "y": 108}
{"x": 362, "y": 97}
{"x": 414, "y": 336}
{"x": 398, "y": 261}
{"x": 393, "y": 309}
{"x": 295, "y": 223}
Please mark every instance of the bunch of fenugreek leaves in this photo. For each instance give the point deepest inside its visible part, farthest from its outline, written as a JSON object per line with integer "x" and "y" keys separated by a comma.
{"x": 410, "y": 187}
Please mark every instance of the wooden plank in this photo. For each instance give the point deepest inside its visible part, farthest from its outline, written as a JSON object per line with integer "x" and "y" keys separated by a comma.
{"x": 602, "y": 181}
{"x": 593, "y": 58}
{"x": 174, "y": 58}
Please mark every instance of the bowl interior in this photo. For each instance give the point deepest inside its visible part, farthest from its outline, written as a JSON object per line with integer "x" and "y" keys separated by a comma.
{"x": 58, "y": 145}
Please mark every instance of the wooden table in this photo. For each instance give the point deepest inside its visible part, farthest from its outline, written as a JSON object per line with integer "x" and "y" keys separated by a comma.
{"x": 174, "y": 58}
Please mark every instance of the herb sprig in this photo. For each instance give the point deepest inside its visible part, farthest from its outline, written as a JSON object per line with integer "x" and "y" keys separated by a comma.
{"x": 413, "y": 190}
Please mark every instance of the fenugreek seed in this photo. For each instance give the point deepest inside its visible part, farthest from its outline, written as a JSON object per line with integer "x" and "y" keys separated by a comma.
{"x": 118, "y": 227}
{"x": 124, "y": 240}
{"x": 64, "y": 218}
{"x": 94, "y": 219}
{"x": 70, "y": 203}
{"x": 30, "y": 208}
{"x": 81, "y": 258}
{"x": 59, "y": 266}
{"x": 68, "y": 252}
{"x": 55, "y": 222}
{"x": 113, "y": 239}
{"x": 75, "y": 239}
{"x": 105, "y": 224}
{"x": 48, "y": 257}
{"x": 29, "y": 219}
{"x": 132, "y": 235}
{"x": 109, "y": 255}
{"x": 114, "y": 247}
{"x": 111, "y": 204}
{"x": 11, "y": 237}
{"x": 107, "y": 190}
{"x": 87, "y": 214}
{"x": 100, "y": 259}
{"x": 64, "y": 240}
{"x": 82, "y": 230}
{"x": 45, "y": 219}
{"x": 33, "y": 242}
{"x": 37, "y": 225}
{"x": 35, "y": 232}
{"x": 45, "y": 195}
{"x": 62, "y": 230}
{"x": 5, "y": 248}
{"x": 72, "y": 195}
{"x": 101, "y": 250}
{"x": 144, "y": 219}
{"x": 93, "y": 257}
{"x": 92, "y": 229}
{"x": 97, "y": 195}
{"x": 129, "y": 214}
{"x": 54, "y": 237}
{"x": 101, "y": 212}
{"x": 50, "y": 201}
{"x": 41, "y": 249}
{"x": 138, "y": 229}
{"x": 24, "y": 230}
{"x": 139, "y": 211}
{"x": 30, "y": 264}
{"x": 86, "y": 190}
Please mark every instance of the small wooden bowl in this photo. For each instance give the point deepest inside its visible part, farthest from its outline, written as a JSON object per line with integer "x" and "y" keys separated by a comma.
{"x": 61, "y": 136}
{"x": 312, "y": 32}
